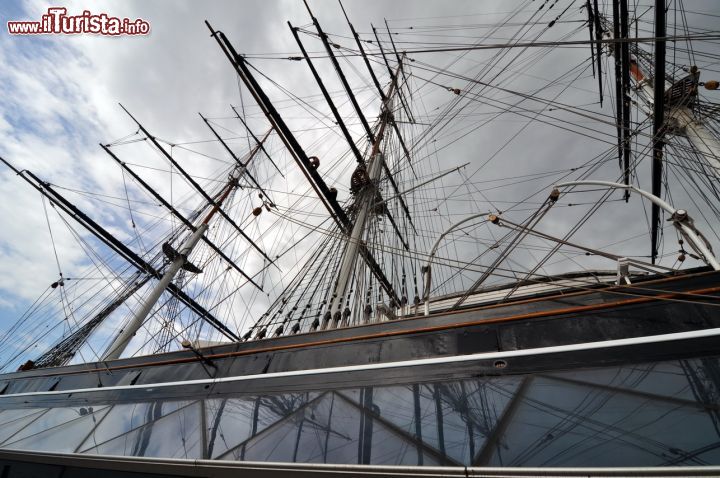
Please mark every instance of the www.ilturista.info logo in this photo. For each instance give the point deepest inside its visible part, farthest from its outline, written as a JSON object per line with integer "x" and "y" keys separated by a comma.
{"x": 57, "y": 21}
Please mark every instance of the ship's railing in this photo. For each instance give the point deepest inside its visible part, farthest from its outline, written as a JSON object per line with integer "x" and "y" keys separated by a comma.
{"x": 566, "y": 282}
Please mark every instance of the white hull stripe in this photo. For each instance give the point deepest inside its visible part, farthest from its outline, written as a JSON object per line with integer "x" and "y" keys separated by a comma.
{"x": 388, "y": 365}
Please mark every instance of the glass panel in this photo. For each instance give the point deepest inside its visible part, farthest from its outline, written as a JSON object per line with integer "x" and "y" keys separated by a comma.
{"x": 328, "y": 430}
{"x": 456, "y": 423}
{"x": 634, "y": 415}
{"x": 275, "y": 445}
{"x": 12, "y": 415}
{"x": 324, "y": 431}
{"x": 430, "y": 460}
{"x": 62, "y": 438}
{"x": 559, "y": 424}
{"x": 51, "y": 419}
{"x": 232, "y": 421}
{"x": 711, "y": 457}
{"x": 395, "y": 443}
{"x": 123, "y": 418}
{"x": 667, "y": 379}
{"x": 390, "y": 448}
{"x": 9, "y": 428}
{"x": 343, "y": 428}
{"x": 176, "y": 435}
{"x": 468, "y": 412}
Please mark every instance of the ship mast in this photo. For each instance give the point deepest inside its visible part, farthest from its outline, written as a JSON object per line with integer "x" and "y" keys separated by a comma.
{"x": 670, "y": 108}
{"x": 673, "y": 117}
{"x": 179, "y": 260}
{"x": 364, "y": 181}
{"x": 679, "y": 118}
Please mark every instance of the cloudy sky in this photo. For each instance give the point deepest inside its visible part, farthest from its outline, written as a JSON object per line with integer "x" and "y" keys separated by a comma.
{"x": 60, "y": 98}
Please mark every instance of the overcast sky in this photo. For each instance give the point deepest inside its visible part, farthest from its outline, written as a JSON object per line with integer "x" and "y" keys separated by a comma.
{"x": 60, "y": 97}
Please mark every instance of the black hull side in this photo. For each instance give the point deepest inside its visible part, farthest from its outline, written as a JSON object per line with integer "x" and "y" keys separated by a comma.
{"x": 678, "y": 304}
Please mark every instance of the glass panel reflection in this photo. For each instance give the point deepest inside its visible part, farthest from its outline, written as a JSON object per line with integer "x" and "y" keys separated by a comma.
{"x": 52, "y": 418}
{"x": 125, "y": 417}
{"x": 656, "y": 414}
{"x": 15, "y": 420}
{"x": 65, "y": 437}
{"x": 232, "y": 421}
{"x": 175, "y": 435}
{"x": 7, "y": 416}
{"x": 562, "y": 424}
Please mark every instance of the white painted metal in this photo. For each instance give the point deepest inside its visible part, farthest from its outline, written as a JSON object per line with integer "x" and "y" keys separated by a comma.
{"x": 496, "y": 294}
{"x": 698, "y": 135}
{"x": 688, "y": 232}
{"x": 366, "y": 204}
{"x": 623, "y": 271}
{"x": 428, "y": 271}
{"x": 125, "y": 335}
{"x": 683, "y": 122}
{"x": 352, "y": 249}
